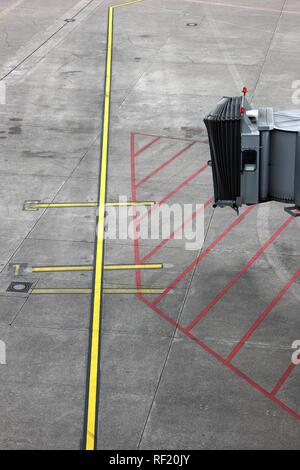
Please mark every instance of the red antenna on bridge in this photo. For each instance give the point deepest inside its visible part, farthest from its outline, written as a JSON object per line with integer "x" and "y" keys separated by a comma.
{"x": 244, "y": 91}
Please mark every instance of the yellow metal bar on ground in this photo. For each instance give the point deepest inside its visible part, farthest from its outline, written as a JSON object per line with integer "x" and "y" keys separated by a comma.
{"x": 64, "y": 205}
{"x": 61, "y": 291}
{"x": 56, "y": 269}
{"x": 106, "y": 290}
{"x": 58, "y": 205}
{"x": 108, "y": 267}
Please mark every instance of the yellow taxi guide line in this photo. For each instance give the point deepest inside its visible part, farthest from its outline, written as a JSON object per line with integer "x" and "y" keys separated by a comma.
{"x": 93, "y": 379}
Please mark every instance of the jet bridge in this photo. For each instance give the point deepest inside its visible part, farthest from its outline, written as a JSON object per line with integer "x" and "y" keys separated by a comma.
{"x": 255, "y": 154}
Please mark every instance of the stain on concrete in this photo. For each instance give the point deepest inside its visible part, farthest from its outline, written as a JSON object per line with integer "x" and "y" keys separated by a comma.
{"x": 16, "y": 130}
{"x": 29, "y": 154}
{"x": 191, "y": 132}
{"x": 70, "y": 72}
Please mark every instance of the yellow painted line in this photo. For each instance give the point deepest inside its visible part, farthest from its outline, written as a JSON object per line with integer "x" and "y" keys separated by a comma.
{"x": 120, "y": 267}
{"x": 108, "y": 267}
{"x": 106, "y": 290}
{"x": 124, "y": 204}
{"x": 64, "y": 205}
{"x": 91, "y": 424}
{"x": 127, "y": 3}
{"x": 94, "y": 357}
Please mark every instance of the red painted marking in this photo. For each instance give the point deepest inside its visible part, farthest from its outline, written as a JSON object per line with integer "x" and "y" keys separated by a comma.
{"x": 238, "y": 275}
{"x": 172, "y": 235}
{"x": 136, "y": 154}
{"x": 168, "y": 196}
{"x": 262, "y": 317}
{"x": 182, "y": 185}
{"x": 204, "y": 254}
{"x": 163, "y": 165}
{"x": 219, "y": 358}
{"x": 283, "y": 379}
{"x": 189, "y": 335}
{"x": 157, "y": 310}
{"x": 242, "y": 375}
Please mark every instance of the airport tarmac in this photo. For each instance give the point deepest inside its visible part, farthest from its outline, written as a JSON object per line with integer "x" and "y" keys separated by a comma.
{"x": 141, "y": 344}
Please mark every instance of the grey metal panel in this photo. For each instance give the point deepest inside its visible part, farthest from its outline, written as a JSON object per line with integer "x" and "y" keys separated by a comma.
{"x": 297, "y": 172}
{"x": 250, "y": 179}
{"x": 282, "y": 165}
{"x": 264, "y": 165}
{"x": 250, "y": 187}
{"x": 265, "y": 121}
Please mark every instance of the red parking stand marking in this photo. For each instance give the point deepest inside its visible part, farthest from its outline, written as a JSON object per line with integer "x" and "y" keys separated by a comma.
{"x": 160, "y": 312}
{"x": 138, "y": 220}
{"x": 163, "y": 165}
{"x": 220, "y": 359}
{"x": 136, "y": 154}
{"x": 262, "y": 317}
{"x": 203, "y": 254}
{"x": 172, "y": 193}
{"x": 185, "y": 183}
{"x": 283, "y": 378}
{"x": 172, "y": 234}
{"x": 187, "y": 330}
{"x": 236, "y": 278}
{"x": 241, "y": 374}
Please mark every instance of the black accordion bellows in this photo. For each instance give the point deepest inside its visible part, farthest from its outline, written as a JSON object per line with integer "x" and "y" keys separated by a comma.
{"x": 224, "y": 131}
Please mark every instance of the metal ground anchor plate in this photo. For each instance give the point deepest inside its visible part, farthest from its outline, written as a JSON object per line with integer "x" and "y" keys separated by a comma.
{"x": 19, "y": 287}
